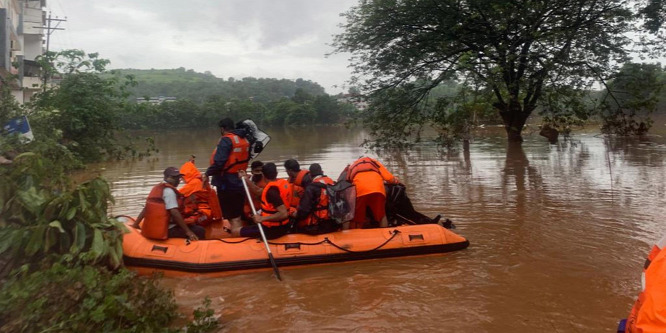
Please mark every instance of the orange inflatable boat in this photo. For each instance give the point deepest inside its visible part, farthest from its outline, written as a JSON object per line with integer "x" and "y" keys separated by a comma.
{"x": 217, "y": 257}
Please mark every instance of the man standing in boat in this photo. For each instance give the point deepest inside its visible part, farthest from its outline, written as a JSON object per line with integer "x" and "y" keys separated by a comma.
{"x": 369, "y": 175}
{"x": 161, "y": 216}
{"x": 231, "y": 155}
{"x": 312, "y": 215}
{"x": 274, "y": 216}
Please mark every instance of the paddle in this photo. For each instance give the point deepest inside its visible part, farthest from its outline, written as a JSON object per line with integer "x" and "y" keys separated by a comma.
{"x": 261, "y": 231}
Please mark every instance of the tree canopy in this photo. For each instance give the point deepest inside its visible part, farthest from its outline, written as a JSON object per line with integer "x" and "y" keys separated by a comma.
{"x": 515, "y": 53}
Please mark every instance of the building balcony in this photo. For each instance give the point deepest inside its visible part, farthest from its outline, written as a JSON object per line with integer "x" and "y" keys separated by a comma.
{"x": 32, "y": 83}
{"x": 33, "y": 20}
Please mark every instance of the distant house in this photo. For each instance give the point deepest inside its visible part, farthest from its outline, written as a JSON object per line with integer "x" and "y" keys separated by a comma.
{"x": 155, "y": 100}
{"x": 21, "y": 42}
{"x": 356, "y": 100}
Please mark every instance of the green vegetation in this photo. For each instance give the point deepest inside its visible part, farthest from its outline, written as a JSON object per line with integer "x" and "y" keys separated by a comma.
{"x": 82, "y": 113}
{"x": 198, "y": 87}
{"x": 202, "y": 100}
{"x": 630, "y": 98}
{"x": 513, "y": 57}
{"x": 60, "y": 253}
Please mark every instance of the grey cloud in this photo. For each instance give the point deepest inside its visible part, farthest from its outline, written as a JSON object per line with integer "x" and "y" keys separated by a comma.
{"x": 283, "y": 39}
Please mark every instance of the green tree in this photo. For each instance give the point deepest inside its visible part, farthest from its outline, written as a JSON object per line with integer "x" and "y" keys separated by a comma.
{"x": 630, "y": 98}
{"x": 84, "y": 107}
{"x": 518, "y": 50}
{"x": 328, "y": 110}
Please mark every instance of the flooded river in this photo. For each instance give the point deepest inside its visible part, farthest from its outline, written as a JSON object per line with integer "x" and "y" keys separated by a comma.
{"x": 558, "y": 236}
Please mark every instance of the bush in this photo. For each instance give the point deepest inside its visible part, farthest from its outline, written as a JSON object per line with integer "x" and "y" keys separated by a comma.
{"x": 84, "y": 299}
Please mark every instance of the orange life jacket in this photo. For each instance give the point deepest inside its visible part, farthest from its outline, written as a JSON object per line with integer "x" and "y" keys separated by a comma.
{"x": 239, "y": 155}
{"x": 200, "y": 205}
{"x": 649, "y": 312}
{"x": 298, "y": 190}
{"x": 320, "y": 212}
{"x": 268, "y": 209}
{"x": 156, "y": 217}
{"x": 363, "y": 164}
{"x": 256, "y": 201}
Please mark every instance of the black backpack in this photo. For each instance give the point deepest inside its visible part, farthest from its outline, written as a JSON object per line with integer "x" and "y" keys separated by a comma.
{"x": 341, "y": 201}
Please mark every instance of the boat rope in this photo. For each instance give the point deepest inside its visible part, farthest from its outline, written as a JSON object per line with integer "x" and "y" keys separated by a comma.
{"x": 236, "y": 242}
{"x": 326, "y": 240}
{"x": 394, "y": 233}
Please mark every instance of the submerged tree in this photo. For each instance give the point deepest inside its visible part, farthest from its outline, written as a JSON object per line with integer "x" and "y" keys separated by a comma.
{"x": 521, "y": 51}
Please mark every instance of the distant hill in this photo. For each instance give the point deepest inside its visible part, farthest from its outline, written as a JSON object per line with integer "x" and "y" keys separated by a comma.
{"x": 187, "y": 84}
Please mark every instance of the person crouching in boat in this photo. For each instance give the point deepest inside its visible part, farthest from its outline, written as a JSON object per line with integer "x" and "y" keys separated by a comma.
{"x": 255, "y": 183}
{"x": 312, "y": 215}
{"x": 161, "y": 216}
{"x": 201, "y": 204}
{"x": 369, "y": 175}
{"x": 274, "y": 216}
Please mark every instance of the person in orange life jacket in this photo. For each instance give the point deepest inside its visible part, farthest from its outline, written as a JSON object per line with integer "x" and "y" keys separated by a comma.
{"x": 177, "y": 227}
{"x": 255, "y": 183}
{"x": 274, "y": 216}
{"x": 369, "y": 175}
{"x": 649, "y": 311}
{"x": 312, "y": 214}
{"x": 230, "y": 156}
{"x": 196, "y": 193}
{"x": 299, "y": 180}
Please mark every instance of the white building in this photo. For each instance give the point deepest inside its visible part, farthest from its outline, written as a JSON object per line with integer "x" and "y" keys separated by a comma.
{"x": 21, "y": 42}
{"x": 155, "y": 100}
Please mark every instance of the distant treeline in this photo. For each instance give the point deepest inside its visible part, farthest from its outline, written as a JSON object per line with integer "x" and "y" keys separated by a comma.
{"x": 203, "y": 99}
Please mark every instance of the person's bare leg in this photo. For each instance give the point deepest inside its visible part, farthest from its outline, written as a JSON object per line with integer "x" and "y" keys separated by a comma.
{"x": 235, "y": 232}
{"x": 384, "y": 222}
{"x": 236, "y": 222}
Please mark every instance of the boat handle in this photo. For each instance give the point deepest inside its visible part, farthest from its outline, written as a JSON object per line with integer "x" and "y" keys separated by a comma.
{"x": 292, "y": 246}
{"x": 413, "y": 237}
{"x": 160, "y": 248}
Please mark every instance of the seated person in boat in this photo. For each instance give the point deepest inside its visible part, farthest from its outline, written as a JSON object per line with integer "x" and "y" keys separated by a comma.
{"x": 298, "y": 178}
{"x": 201, "y": 205}
{"x": 312, "y": 215}
{"x": 162, "y": 216}
{"x": 274, "y": 216}
{"x": 255, "y": 183}
{"x": 369, "y": 176}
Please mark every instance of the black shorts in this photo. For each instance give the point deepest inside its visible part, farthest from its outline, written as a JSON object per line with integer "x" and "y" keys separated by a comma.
{"x": 178, "y": 232}
{"x": 252, "y": 231}
{"x": 231, "y": 203}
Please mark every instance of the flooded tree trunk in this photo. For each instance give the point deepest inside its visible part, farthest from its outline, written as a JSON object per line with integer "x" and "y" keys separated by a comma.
{"x": 514, "y": 118}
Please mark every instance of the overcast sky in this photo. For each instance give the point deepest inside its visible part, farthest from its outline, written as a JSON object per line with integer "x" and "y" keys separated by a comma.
{"x": 230, "y": 38}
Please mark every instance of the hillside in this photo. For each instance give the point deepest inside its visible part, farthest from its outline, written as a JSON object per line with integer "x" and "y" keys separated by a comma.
{"x": 188, "y": 84}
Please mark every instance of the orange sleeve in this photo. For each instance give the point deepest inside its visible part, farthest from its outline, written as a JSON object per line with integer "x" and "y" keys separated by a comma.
{"x": 387, "y": 175}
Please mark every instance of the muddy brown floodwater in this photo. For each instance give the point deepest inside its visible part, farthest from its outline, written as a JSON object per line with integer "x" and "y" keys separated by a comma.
{"x": 558, "y": 236}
